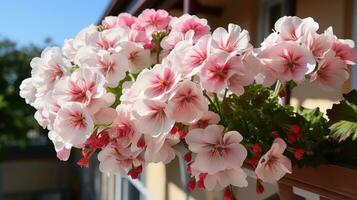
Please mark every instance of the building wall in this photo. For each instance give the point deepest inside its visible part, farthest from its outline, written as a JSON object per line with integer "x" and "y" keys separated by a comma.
{"x": 30, "y": 176}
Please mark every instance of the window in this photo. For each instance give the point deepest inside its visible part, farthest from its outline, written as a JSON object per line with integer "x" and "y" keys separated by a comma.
{"x": 270, "y": 12}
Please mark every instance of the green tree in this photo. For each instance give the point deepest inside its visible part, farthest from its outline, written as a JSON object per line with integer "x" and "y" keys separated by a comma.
{"x": 16, "y": 117}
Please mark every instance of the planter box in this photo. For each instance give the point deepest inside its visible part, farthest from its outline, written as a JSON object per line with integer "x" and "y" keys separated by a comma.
{"x": 328, "y": 181}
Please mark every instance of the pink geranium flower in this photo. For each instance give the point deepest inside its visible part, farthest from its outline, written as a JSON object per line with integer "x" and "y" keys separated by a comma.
{"x": 154, "y": 20}
{"x": 109, "y": 22}
{"x": 169, "y": 42}
{"x": 187, "y": 103}
{"x": 49, "y": 68}
{"x": 273, "y": 165}
{"x": 138, "y": 57}
{"x": 123, "y": 130}
{"x": 224, "y": 178}
{"x": 331, "y": 72}
{"x": 289, "y": 61}
{"x": 345, "y": 50}
{"x": 73, "y": 124}
{"x": 113, "y": 66}
{"x": 188, "y": 22}
{"x": 195, "y": 57}
{"x": 320, "y": 43}
{"x": 63, "y": 154}
{"x": 292, "y": 28}
{"x": 138, "y": 35}
{"x": 216, "y": 151}
{"x": 233, "y": 41}
{"x": 217, "y": 70}
{"x": 246, "y": 73}
{"x": 207, "y": 118}
{"x": 126, "y": 20}
{"x": 108, "y": 39}
{"x": 105, "y": 116}
{"x": 63, "y": 150}
{"x": 114, "y": 160}
{"x": 176, "y": 56}
{"x": 130, "y": 93}
{"x": 151, "y": 118}
{"x": 28, "y": 90}
{"x": 84, "y": 86}
{"x": 160, "y": 149}
{"x": 159, "y": 81}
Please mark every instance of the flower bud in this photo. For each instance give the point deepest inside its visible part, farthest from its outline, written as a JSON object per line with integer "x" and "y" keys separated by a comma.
{"x": 83, "y": 162}
{"x": 299, "y": 153}
{"x": 187, "y": 157}
{"x": 257, "y": 149}
{"x": 191, "y": 184}
{"x": 275, "y": 134}
{"x": 259, "y": 187}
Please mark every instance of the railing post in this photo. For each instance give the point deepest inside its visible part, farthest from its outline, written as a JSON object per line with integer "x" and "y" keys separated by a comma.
{"x": 187, "y": 6}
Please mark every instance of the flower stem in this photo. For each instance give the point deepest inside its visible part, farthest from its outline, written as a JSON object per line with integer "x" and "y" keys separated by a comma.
{"x": 225, "y": 95}
{"x": 277, "y": 89}
{"x": 218, "y": 105}
{"x": 158, "y": 55}
{"x": 131, "y": 77}
{"x": 211, "y": 102}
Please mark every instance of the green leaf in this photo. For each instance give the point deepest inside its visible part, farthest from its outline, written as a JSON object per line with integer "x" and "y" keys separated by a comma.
{"x": 313, "y": 116}
{"x": 343, "y": 117}
{"x": 343, "y": 129}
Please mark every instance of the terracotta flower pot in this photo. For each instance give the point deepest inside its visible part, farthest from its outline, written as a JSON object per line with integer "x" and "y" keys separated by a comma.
{"x": 328, "y": 181}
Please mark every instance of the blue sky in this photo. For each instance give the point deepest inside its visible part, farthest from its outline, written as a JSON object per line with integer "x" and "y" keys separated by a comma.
{"x": 31, "y": 21}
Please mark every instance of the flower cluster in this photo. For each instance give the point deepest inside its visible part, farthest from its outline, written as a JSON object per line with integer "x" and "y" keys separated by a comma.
{"x": 138, "y": 89}
{"x": 295, "y": 51}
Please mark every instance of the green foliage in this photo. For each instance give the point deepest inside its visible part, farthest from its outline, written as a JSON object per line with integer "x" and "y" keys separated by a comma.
{"x": 118, "y": 91}
{"x": 257, "y": 113}
{"x": 343, "y": 117}
{"x": 16, "y": 116}
{"x": 314, "y": 138}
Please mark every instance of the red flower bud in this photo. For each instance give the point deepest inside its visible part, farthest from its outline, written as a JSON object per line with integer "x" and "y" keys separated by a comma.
{"x": 275, "y": 134}
{"x": 201, "y": 181}
{"x": 201, "y": 184}
{"x": 296, "y": 130}
{"x": 174, "y": 130}
{"x": 182, "y": 134}
{"x": 187, "y": 157}
{"x": 133, "y": 174}
{"x": 149, "y": 46}
{"x": 259, "y": 187}
{"x": 141, "y": 143}
{"x": 98, "y": 141}
{"x": 139, "y": 169}
{"x": 282, "y": 93}
{"x": 228, "y": 195}
{"x": 257, "y": 149}
{"x": 188, "y": 169}
{"x": 83, "y": 162}
{"x": 202, "y": 175}
{"x": 292, "y": 138}
{"x": 299, "y": 153}
{"x": 85, "y": 153}
{"x": 191, "y": 184}
{"x": 254, "y": 161}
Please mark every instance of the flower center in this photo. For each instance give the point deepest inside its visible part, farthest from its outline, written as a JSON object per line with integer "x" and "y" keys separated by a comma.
{"x": 219, "y": 149}
{"x": 78, "y": 120}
